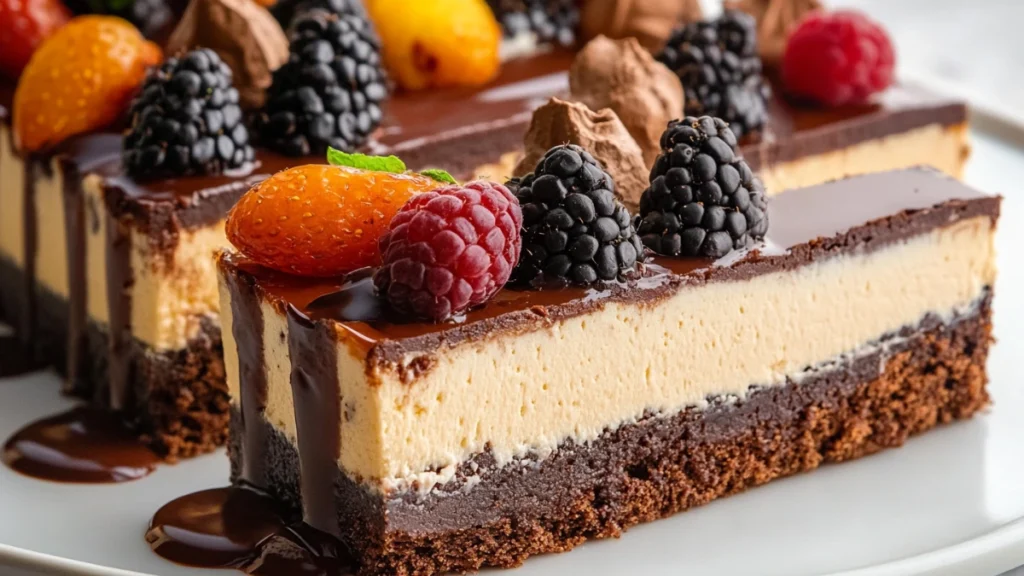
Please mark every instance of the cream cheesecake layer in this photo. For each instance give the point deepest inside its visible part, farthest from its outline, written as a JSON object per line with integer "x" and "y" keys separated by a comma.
{"x": 523, "y": 394}
{"x": 943, "y": 147}
{"x": 12, "y": 209}
{"x": 171, "y": 291}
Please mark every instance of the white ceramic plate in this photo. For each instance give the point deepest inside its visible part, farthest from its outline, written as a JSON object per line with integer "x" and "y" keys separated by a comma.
{"x": 950, "y": 502}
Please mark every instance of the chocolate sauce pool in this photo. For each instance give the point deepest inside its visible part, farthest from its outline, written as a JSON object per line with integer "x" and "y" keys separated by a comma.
{"x": 239, "y": 527}
{"x": 83, "y": 445}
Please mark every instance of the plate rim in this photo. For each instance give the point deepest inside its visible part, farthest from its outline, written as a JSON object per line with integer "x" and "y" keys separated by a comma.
{"x": 998, "y": 550}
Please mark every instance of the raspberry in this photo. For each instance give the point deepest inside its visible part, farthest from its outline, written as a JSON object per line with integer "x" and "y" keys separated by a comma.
{"x": 26, "y": 24}
{"x": 450, "y": 250}
{"x": 319, "y": 220}
{"x": 838, "y": 58}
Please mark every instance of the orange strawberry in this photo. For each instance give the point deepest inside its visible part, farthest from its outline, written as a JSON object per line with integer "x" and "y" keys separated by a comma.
{"x": 79, "y": 80}
{"x": 320, "y": 220}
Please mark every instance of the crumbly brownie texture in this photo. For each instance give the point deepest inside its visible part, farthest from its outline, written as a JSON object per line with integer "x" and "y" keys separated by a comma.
{"x": 179, "y": 399}
{"x": 934, "y": 374}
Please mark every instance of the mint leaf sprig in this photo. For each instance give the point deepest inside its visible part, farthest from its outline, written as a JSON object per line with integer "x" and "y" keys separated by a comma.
{"x": 390, "y": 164}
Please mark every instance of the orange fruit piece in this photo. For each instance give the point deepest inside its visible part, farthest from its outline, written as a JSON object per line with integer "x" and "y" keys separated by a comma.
{"x": 320, "y": 220}
{"x": 80, "y": 79}
{"x": 438, "y": 43}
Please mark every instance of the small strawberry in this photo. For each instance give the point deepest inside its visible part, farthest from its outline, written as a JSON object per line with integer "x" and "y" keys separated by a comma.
{"x": 24, "y": 24}
{"x": 79, "y": 80}
{"x": 320, "y": 220}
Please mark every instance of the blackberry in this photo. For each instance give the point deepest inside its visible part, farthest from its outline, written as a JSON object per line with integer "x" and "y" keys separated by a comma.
{"x": 152, "y": 17}
{"x": 553, "y": 21}
{"x": 186, "y": 120}
{"x": 703, "y": 199}
{"x": 286, "y": 10}
{"x": 718, "y": 63}
{"x": 330, "y": 91}
{"x": 574, "y": 230}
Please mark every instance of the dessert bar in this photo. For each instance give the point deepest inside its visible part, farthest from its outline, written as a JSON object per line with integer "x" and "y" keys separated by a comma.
{"x": 548, "y": 417}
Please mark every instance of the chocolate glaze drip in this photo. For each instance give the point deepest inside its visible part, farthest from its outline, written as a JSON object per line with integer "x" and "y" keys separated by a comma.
{"x": 74, "y": 238}
{"x": 82, "y": 445}
{"x": 119, "y": 281}
{"x": 27, "y": 315}
{"x": 247, "y": 328}
{"x": 315, "y": 393}
{"x": 240, "y": 527}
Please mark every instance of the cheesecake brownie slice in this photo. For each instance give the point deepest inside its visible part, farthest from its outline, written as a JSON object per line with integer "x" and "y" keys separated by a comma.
{"x": 548, "y": 417}
{"x": 62, "y": 286}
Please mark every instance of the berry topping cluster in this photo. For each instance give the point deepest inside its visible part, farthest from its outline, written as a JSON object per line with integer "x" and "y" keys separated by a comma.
{"x": 838, "y": 58}
{"x": 186, "y": 120}
{"x": 321, "y": 220}
{"x": 329, "y": 93}
{"x": 718, "y": 64}
{"x": 449, "y": 250}
{"x": 703, "y": 199}
{"x": 574, "y": 228}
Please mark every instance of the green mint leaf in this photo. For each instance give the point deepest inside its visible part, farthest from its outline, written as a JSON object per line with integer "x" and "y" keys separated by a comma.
{"x": 363, "y": 162}
{"x": 439, "y": 175}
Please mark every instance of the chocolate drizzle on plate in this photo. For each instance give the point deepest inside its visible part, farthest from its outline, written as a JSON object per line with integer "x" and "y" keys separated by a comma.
{"x": 239, "y": 527}
{"x": 83, "y": 445}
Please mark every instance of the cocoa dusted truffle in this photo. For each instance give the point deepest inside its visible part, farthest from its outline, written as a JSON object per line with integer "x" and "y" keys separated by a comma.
{"x": 649, "y": 21}
{"x": 621, "y": 75}
{"x": 601, "y": 133}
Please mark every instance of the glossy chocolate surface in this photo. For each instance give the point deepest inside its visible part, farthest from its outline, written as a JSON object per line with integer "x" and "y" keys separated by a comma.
{"x": 83, "y": 445}
{"x": 866, "y": 212}
{"x": 239, "y": 527}
{"x": 459, "y": 129}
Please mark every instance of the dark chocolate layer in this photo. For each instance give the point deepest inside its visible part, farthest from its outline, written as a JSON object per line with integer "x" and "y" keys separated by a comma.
{"x": 934, "y": 373}
{"x": 858, "y": 214}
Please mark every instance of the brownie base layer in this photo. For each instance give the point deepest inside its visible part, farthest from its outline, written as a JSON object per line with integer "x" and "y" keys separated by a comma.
{"x": 180, "y": 397}
{"x": 488, "y": 516}
{"x": 47, "y": 345}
